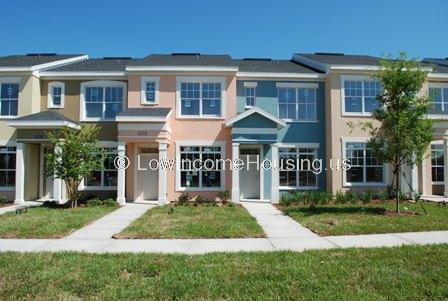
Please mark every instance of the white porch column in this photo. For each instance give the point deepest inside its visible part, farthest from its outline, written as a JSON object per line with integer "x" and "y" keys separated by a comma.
{"x": 445, "y": 165}
{"x": 275, "y": 194}
{"x": 20, "y": 174}
{"x": 121, "y": 177}
{"x": 57, "y": 183}
{"x": 162, "y": 200}
{"x": 414, "y": 177}
{"x": 235, "y": 173}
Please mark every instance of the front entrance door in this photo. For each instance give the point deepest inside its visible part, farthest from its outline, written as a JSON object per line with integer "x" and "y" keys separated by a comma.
{"x": 250, "y": 174}
{"x": 148, "y": 179}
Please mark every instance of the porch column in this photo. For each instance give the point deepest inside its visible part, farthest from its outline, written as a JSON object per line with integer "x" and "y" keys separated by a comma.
{"x": 445, "y": 166}
{"x": 57, "y": 182}
{"x": 162, "y": 173}
{"x": 20, "y": 174}
{"x": 235, "y": 173}
{"x": 275, "y": 194}
{"x": 121, "y": 177}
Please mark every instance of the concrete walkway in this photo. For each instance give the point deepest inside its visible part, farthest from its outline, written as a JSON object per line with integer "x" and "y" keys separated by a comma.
{"x": 14, "y": 207}
{"x": 275, "y": 223}
{"x": 202, "y": 246}
{"x": 112, "y": 223}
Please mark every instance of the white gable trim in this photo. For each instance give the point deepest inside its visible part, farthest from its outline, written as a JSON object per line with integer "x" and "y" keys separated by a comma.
{"x": 280, "y": 123}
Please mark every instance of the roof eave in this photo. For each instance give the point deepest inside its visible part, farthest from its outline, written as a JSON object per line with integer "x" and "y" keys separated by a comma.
{"x": 184, "y": 68}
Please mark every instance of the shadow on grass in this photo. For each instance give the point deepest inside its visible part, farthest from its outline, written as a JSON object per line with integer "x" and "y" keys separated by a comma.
{"x": 336, "y": 210}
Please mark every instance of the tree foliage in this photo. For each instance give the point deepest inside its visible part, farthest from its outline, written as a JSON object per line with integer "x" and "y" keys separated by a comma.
{"x": 76, "y": 155}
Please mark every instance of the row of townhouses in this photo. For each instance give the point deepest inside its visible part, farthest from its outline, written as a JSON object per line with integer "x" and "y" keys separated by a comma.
{"x": 194, "y": 106}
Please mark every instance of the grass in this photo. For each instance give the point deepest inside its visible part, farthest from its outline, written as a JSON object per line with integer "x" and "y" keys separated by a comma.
{"x": 366, "y": 219}
{"x": 194, "y": 222}
{"x": 44, "y": 222}
{"x": 401, "y": 273}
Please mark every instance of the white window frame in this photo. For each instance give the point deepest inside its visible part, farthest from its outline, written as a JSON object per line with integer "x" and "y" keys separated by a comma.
{"x": 8, "y": 150}
{"x": 315, "y": 147}
{"x": 363, "y": 79}
{"x": 440, "y": 86}
{"x": 297, "y": 86}
{"x": 144, "y": 81}
{"x": 10, "y": 80}
{"x": 50, "y": 103}
{"x": 362, "y": 184}
{"x": 200, "y": 80}
{"x": 431, "y": 144}
{"x": 83, "y": 185}
{"x": 103, "y": 84}
{"x": 199, "y": 143}
{"x": 250, "y": 85}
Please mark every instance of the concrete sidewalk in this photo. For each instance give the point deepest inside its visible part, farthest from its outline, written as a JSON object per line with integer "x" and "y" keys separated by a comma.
{"x": 112, "y": 223}
{"x": 14, "y": 207}
{"x": 275, "y": 223}
{"x": 202, "y": 246}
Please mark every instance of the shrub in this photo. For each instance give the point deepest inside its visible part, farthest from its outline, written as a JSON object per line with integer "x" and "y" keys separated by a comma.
{"x": 224, "y": 196}
{"x": 340, "y": 198}
{"x": 201, "y": 200}
{"x": 286, "y": 199}
{"x": 351, "y": 197}
{"x": 183, "y": 198}
{"x": 366, "y": 196}
{"x": 99, "y": 202}
{"x": 2, "y": 199}
{"x": 383, "y": 196}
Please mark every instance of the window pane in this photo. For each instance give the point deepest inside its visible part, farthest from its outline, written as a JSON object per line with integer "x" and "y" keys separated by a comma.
{"x": 353, "y": 104}
{"x": 94, "y": 94}
{"x": 355, "y": 175}
{"x": 94, "y": 109}
{"x": 211, "y": 179}
{"x": 189, "y": 178}
{"x": 371, "y": 104}
{"x": 190, "y": 107}
{"x": 287, "y": 95}
{"x": 112, "y": 109}
{"x": 94, "y": 179}
{"x": 110, "y": 178}
{"x": 9, "y": 91}
{"x": 56, "y": 100}
{"x": 150, "y": 91}
{"x": 211, "y": 107}
{"x": 374, "y": 174}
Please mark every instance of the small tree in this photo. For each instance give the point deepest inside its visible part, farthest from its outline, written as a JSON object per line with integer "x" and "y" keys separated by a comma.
{"x": 76, "y": 155}
{"x": 404, "y": 131}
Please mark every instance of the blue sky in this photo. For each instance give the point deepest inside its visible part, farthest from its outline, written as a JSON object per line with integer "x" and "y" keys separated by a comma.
{"x": 241, "y": 28}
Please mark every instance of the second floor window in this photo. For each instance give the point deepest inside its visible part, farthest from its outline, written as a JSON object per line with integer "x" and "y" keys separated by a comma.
{"x": 56, "y": 95}
{"x": 361, "y": 96}
{"x": 250, "y": 97}
{"x": 297, "y": 104}
{"x": 202, "y": 99}
{"x": 9, "y": 99}
{"x": 150, "y": 90}
{"x": 103, "y": 101}
{"x": 439, "y": 98}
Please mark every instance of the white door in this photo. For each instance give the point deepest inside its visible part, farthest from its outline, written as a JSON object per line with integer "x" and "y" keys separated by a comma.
{"x": 49, "y": 181}
{"x": 250, "y": 175}
{"x": 148, "y": 180}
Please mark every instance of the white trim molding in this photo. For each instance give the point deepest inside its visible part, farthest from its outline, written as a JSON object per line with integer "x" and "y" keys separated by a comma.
{"x": 50, "y": 103}
{"x": 231, "y": 121}
{"x": 254, "y": 131}
{"x": 143, "y": 81}
{"x": 250, "y": 84}
{"x": 42, "y": 124}
{"x": 297, "y": 85}
{"x": 276, "y": 75}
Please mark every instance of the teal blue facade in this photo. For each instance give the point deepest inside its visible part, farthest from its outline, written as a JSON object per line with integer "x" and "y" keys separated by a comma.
{"x": 293, "y": 133}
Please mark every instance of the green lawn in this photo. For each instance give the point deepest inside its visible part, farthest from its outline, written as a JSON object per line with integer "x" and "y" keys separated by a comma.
{"x": 44, "y": 222}
{"x": 401, "y": 273}
{"x": 194, "y": 222}
{"x": 366, "y": 219}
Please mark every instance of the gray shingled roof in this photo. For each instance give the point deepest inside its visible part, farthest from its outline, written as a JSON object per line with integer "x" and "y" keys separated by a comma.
{"x": 97, "y": 64}
{"x": 32, "y": 60}
{"x": 345, "y": 59}
{"x": 45, "y": 116}
{"x": 184, "y": 60}
{"x": 275, "y": 66}
{"x": 145, "y": 112}
{"x": 439, "y": 65}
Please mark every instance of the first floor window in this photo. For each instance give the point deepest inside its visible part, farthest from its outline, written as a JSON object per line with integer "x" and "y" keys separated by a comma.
{"x": 107, "y": 177}
{"x": 296, "y": 168}
{"x": 361, "y": 96}
{"x": 200, "y": 99}
{"x": 437, "y": 162}
{"x": 103, "y": 102}
{"x": 200, "y": 166}
{"x": 7, "y": 167}
{"x": 439, "y": 98}
{"x": 365, "y": 166}
{"x": 9, "y": 99}
{"x": 297, "y": 104}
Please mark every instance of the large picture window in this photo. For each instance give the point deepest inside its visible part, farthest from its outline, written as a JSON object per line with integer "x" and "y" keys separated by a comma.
{"x": 296, "y": 169}
{"x": 297, "y": 104}
{"x": 361, "y": 96}
{"x": 7, "y": 167}
{"x": 103, "y": 100}
{"x": 9, "y": 99}
{"x": 106, "y": 177}
{"x": 437, "y": 163}
{"x": 202, "y": 174}
{"x": 200, "y": 97}
{"x": 365, "y": 167}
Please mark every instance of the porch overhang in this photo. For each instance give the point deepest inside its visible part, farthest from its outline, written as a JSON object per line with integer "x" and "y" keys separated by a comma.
{"x": 43, "y": 120}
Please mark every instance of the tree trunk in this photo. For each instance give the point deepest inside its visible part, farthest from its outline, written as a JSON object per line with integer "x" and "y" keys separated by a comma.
{"x": 397, "y": 175}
